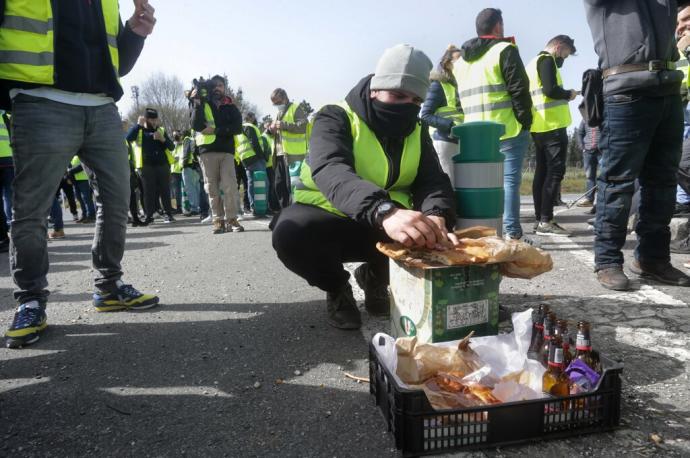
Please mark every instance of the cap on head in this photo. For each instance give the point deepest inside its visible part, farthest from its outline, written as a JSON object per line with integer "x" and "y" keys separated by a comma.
{"x": 151, "y": 113}
{"x": 403, "y": 68}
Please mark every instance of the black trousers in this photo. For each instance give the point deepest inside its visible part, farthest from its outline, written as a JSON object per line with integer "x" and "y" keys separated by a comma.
{"x": 314, "y": 244}
{"x": 551, "y": 150}
{"x": 156, "y": 181}
{"x": 282, "y": 181}
{"x": 134, "y": 184}
{"x": 684, "y": 167}
{"x": 69, "y": 195}
{"x": 241, "y": 175}
{"x": 273, "y": 204}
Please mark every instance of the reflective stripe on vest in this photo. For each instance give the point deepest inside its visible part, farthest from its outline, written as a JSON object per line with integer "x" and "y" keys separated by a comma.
{"x": 207, "y": 139}
{"x": 243, "y": 147}
{"x": 139, "y": 150}
{"x": 371, "y": 164}
{"x": 81, "y": 176}
{"x": 5, "y": 147}
{"x": 547, "y": 114}
{"x": 294, "y": 145}
{"x": 27, "y": 40}
{"x": 483, "y": 93}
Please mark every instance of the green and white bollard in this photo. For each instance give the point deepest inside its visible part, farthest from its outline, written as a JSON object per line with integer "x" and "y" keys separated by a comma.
{"x": 260, "y": 193}
{"x": 479, "y": 175}
{"x": 295, "y": 169}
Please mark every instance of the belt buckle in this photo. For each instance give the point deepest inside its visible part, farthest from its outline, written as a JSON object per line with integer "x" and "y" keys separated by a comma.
{"x": 657, "y": 65}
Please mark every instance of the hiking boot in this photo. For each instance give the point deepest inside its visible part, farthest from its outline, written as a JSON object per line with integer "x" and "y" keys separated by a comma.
{"x": 551, "y": 228}
{"x": 585, "y": 203}
{"x": 662, "y": 272}
{"x": 125, "y": 297}
{"x": 29, "y": 322}
{"x": 218, "y": 226}
{"x": 376, "y": 298}
{"x": 234, "y": 226}
{"x": 342, "y": 309}
{"x": 613, "y": 278}
{"x": 56, "y": 234}
{"x": 681, "y": 246}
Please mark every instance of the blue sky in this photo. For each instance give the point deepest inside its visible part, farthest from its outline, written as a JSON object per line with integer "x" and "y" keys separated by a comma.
{"x": 317, "y": 50}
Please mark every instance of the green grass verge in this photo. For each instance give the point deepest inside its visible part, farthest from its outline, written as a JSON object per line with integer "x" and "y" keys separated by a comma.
{"x": 573, "y": 183}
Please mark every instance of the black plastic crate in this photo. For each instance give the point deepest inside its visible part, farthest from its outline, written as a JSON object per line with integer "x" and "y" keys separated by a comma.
{"x": 420, "y": 430}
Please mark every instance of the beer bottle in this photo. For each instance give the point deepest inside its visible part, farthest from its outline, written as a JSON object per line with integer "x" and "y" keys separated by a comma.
{"x": 537, "y": 332}
{"x": 583, "y": 345}
{"x": 549, "y": 323}
{"x": 562, "y": 330}
{"x": 555, "y": 381}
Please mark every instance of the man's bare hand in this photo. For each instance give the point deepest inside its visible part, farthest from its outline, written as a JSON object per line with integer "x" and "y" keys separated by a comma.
{"x": 157, "y": 135}
{"x": 683, "y": 44}
{"x": 209, "y": 131}
{"x": 141, "y": 121}
{"x": 142, "y": 21}
{"x": 449, "y": 239}
{"x": 412, "y": 229}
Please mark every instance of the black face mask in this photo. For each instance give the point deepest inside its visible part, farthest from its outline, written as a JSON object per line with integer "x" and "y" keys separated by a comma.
{"x": 394, "y": 119}
{"x": 559, "y": 61}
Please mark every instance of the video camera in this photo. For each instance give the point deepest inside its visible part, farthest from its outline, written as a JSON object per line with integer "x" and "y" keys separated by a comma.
{"x": 203, "y": 88}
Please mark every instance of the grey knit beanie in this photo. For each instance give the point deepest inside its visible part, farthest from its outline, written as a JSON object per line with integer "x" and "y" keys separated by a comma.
{"x": 403, "y": 67}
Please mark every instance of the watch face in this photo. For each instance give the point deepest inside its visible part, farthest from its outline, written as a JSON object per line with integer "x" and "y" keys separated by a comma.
{"x": 386, "y": 207}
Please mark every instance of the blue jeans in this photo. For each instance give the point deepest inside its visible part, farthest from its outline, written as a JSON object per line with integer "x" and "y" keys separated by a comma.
{"x": 641, "y": 138}
{"x": 6, "y": 177}
{"x": 84, "y": 195}
{"x": 514, "y": 150}
{"x": 258, "y": 166}
{"x": 192, "y": 186}
{"x": 56, "y": 215}
{"x": 590, "y": 161}
{"x": 46, "y": 135}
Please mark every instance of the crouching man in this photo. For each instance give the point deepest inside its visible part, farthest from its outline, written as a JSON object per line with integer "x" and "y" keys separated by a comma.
{"x": 371, "y": 175}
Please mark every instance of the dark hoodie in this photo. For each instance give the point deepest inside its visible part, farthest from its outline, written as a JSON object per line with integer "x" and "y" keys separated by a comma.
{"x": 435, "y": 99}
{"x": 331, "y": 159}
{"x": 513, "y": 71}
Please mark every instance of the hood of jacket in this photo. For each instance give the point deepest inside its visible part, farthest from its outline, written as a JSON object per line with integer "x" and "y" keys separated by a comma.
{"x": 442, "y": 76}
{"x": 475, "y": 48}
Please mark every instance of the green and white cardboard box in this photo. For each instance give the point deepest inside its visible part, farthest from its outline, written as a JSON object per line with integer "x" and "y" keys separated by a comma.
{"x": 439, "y": 304}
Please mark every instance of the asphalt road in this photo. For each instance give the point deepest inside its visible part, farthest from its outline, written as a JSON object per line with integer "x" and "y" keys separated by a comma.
{"x": 239, "y": 361}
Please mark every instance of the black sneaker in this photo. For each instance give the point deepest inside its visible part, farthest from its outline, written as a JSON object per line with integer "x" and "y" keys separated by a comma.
{"x": 342, "y": 309}
{"x": 681, "y": 246}
{"x": 167, "y": 219}
{"x": 681, "y": 210}
{"x": 29, "y": 322}
{"x": 376, "y": 298}
{"x": 126, "y": 297}
{"x": 662, "y": 272}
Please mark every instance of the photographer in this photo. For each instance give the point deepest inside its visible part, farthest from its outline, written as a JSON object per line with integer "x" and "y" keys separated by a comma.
{"x": 152, "y": 159}
{"x": 217, "y": 120}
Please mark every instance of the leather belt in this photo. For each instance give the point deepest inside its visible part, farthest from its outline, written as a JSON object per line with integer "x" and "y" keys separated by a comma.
{"x": 651, "y": 66}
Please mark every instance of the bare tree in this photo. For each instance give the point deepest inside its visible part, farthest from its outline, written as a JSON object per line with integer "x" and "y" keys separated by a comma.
{"x": 164, "y": 93}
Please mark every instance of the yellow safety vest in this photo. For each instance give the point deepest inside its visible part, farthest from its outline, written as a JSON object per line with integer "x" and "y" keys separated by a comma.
{"x": 483, "y": 92}
{"x": 177, "y": 165}
{"x": 294, "y": 145}
{"x": 27, "y": 45}
{"x": 207, "y": 139}
{"x": 269, "y": 140}
{"x": 682, "y": 65}
{"x": 547, "y": 114}
{"x": 81, "y": 176}
{"x": 138, "y": 150}
{"x": 5, "y": 147}
{"x": 371, "y": 164}
{"x": 450, "y": 110}
{"x": 243, "y": 147}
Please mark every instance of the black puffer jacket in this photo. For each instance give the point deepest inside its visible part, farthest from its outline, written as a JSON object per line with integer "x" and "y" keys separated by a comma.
{"x": 331, "y": 159}
{"x": 514, "y": 74}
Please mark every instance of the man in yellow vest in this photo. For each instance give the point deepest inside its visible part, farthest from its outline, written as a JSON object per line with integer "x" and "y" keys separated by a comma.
{"x": 371, "y": 175}
{"x": 6, "y": 177}
{"x": 550, "y": 119}
{"x": 290, "y": 145}
{"x": 268, "y": 141}
{"x": 250, "y": 152}
{"x": 176, "y": 172}
{"x": 62, "y": 88}
{"x": 494, "y": 87}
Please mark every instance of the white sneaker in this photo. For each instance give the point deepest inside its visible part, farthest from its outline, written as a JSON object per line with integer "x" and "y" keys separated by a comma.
{"x": 207, "y": 220}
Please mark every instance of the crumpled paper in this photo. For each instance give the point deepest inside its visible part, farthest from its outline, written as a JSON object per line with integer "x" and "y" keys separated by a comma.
{"x": 505, "y": 365}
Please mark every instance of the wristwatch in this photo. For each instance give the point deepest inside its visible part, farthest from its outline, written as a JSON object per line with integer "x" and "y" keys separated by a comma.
{"x": 384, "y": 209}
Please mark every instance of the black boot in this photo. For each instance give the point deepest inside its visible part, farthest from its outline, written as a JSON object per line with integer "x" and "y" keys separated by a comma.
{"x": 662, "y": 272}
{"x": 376, "y": 298}
{"x": 342, "y": 309}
